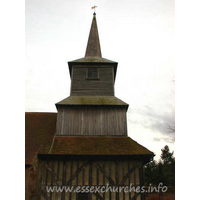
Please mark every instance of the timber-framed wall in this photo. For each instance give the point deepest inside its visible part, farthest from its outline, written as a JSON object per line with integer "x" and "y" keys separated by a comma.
{"x": 90, "y": 172}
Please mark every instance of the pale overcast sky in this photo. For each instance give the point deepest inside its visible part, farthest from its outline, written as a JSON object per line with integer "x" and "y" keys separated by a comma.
{"x": 138, "y": 34}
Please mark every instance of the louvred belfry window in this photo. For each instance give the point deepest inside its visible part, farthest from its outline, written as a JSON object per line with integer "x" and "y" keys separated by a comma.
{"x": 92, "y": 73}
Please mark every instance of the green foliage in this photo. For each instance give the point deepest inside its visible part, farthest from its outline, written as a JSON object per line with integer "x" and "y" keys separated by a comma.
{"x": 162, "y": 171}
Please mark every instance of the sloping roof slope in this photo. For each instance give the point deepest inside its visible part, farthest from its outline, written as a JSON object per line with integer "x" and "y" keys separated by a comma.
{"x": 93, "y": 60}
{"x": 81, "y": 145}
{"x": 92, "y": 100}
{"x": 39, "y": 131}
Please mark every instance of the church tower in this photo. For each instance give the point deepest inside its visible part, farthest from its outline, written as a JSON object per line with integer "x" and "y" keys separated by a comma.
{"x": 92, "y": 109}
{"x": 91, "y": 147}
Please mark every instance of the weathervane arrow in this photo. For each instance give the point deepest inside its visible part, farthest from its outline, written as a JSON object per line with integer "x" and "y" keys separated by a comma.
{"x": 94, "y": 8}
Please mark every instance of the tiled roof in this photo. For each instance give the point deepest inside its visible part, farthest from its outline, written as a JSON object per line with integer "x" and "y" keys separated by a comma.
{"x": 40, "y": 130}
{"x": 81, "y": 145}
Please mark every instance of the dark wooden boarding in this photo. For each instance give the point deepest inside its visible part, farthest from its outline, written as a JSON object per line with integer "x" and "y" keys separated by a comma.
{"x": 92, "y": 80}
{"x": 91, "y": 120}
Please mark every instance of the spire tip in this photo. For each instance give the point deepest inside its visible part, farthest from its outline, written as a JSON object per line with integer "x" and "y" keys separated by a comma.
{"x": 94, "y": 10}
{"x": 93, "y": 46}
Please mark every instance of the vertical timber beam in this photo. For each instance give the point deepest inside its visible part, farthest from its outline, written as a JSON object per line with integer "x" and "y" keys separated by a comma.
{"x": 90, "y": 173}
{"x": 117, "y": 178}
{"x": 141, "y": 175}
{"x": 110, "y": 181}
{"x": 129, "y": 180}
{"x": 39, "y": 181}
{"x": 70, "y": 194}
{"x": 104, "y": 179}
{"x": 123, "y": 174}
{"x": 51, "y": 178}
{"x": 63, "y": 180}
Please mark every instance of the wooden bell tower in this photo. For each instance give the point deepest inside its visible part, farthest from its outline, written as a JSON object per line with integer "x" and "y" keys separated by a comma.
{"x": 92, "y": 109}
{"x": 91, "y": 146}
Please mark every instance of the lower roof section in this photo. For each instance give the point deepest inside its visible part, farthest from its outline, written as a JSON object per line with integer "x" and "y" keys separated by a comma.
{"x": 96, "y": 146}
{"x": 39, "y": 131}
{"x": 92, "y": 100}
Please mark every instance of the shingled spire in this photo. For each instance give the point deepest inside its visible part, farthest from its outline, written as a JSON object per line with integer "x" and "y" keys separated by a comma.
{"x": 93, "y": 46}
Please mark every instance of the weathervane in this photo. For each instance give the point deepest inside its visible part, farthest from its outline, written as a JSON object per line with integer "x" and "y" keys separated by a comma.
{"x": 94, "y": 8}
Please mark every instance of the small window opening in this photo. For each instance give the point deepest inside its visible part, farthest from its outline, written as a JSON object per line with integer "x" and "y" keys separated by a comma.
{"x": 92, "y": 73}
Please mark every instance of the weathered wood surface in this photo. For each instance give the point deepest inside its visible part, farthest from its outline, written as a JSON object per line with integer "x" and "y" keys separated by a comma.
{"x": 93, "y": 173}
{"x": 91, "y": 120}
{"x": 103, "y": 86}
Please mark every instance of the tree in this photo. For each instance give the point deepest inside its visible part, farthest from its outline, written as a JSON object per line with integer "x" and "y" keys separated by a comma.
{"x": 162, "y": 171}
{"x": 168, "y": 165}
{"x": 171, "y": 128}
